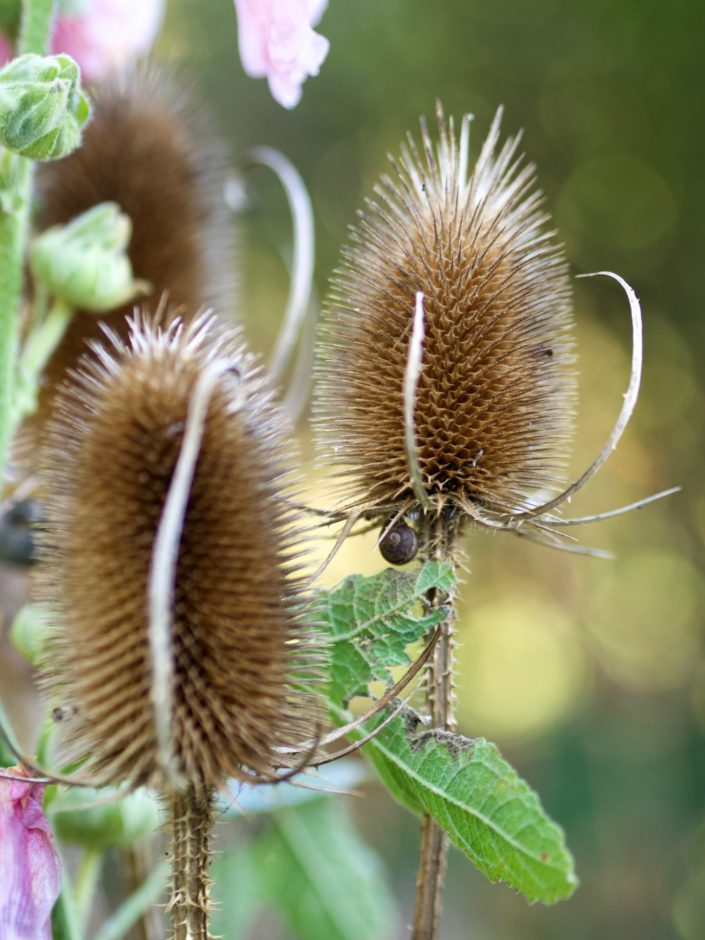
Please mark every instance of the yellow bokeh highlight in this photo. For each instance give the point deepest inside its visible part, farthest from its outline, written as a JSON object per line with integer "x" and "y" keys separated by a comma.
{"x": 521, "y": 668}
{"x": 644, "y": 614}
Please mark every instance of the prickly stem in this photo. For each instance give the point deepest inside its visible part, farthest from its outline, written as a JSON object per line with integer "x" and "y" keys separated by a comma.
{"x": 437, "y": 539}
{"x": 190, "y": 825}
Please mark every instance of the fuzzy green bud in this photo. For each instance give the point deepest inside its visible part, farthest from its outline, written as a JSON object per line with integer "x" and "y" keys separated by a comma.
{"x": 85, "y": 262}
{"x": 122, "y": 822}
{"x": 42, "y": 107}
{"x": 30, "y": 631}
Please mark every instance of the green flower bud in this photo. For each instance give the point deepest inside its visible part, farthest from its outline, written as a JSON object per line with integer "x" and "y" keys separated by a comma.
{"x": 30, "y": 631}
{"x": 42, "y": 107}
{"x": 85, "y": 262}
{"x": 123, "y": 822}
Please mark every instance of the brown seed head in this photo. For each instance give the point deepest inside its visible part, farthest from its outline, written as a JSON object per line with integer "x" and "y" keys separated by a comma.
{"x": 236, "y": 632}
{"x": 495, "y": 395}
{"x": 151, "y": 149}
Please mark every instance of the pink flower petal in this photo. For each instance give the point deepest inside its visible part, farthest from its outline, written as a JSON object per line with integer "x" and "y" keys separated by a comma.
{"x": 104, "y": 37}
{"x": 31, "y": 869}
{"x": 108, "y": 34}
{"x": 6, "y": 52}
{"x": 277, "y": 41}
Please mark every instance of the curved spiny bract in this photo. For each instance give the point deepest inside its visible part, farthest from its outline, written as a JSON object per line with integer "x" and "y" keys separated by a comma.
{"x": 495, "y": 396}
{"x": 150, "y": 148}
{"x": 239, "y": 645}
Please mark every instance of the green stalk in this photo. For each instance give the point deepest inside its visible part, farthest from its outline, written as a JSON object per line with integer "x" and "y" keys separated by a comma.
{"x": 14, "y": 212}
{"x": 38, "y": 349}
{"x": 438, "y": 537}
{"x": 136, "y": 905}
{"x": 7, "y": 757}
{"x": 35, "y": 29}
{"x": 15, "y": 196}
{"x": 63, "y": 916}
{"x": 84, "y": 886}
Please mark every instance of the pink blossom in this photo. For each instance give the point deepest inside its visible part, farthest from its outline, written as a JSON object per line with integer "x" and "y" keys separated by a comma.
{"x": 5, "y": 49}
{"x": 104, "y": 36}
{"x": 31, "y": 871}
{"x": 108, "y": 34}
{"x": 277, "y": 41}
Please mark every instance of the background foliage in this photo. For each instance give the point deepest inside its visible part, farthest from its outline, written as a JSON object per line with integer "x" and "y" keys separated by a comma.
{"x": 588, "y": 674}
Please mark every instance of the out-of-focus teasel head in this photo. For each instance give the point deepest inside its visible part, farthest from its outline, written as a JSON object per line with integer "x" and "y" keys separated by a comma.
{"x": 447, "y": 382}
{"x": 170, "y": 557}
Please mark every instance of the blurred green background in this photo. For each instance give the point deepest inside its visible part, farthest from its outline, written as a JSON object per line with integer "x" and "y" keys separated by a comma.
{"x": 588, "y": 674}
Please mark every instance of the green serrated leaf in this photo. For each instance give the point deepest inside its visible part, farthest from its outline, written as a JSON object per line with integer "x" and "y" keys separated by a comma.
{"x": 326, "y": 883}
{"x": 436, "y": 574}
{"x": 371, "y": 622}
{"x": 488, "y": 811}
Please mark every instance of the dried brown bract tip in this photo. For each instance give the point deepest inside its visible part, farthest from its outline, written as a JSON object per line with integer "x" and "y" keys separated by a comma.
{"x": 492, "y": 397}
{"x": 170, "y": 558}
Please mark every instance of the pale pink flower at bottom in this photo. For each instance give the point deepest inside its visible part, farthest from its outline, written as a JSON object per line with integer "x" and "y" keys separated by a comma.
{"x": 277, "y": 41}
{"x": 30, "y": 869}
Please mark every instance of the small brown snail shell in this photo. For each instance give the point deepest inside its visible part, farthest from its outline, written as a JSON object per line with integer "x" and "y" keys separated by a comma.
{"x": 399, "y": 544}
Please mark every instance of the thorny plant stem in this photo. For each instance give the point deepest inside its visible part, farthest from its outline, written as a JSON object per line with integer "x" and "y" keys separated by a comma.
{"x": 190, "y": 831}
{"x": 437, "y": 538}
{"x": 15, "y": 197}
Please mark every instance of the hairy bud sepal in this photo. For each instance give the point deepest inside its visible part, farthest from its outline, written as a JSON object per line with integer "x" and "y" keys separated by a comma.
{"x": 42, "y": 107}
{"x": 85, "y": 262}
{"x": 122, "y": 822}
{"x": 30, "y": 631}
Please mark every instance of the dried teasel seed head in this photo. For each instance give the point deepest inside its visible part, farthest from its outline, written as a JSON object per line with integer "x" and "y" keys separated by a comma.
{"x": 494, "y": 401}
{"x": 399, "y": 543}
{"x": 238, "y": 648}
{"x": 150, "y": 148}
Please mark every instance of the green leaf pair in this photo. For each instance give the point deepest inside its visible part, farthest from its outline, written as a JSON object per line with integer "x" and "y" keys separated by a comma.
{"x": 475, "y": 796}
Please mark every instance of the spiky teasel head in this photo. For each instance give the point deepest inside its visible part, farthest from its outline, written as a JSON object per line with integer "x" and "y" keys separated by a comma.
{"x": 464, "y": 264}
{"x": 151, "y": 148}
{"x": 170, "y": 560}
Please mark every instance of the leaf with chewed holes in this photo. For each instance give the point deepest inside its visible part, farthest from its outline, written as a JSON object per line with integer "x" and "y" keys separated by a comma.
{"x": 475, "y": 796}
{"x": 371, "y": 621}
